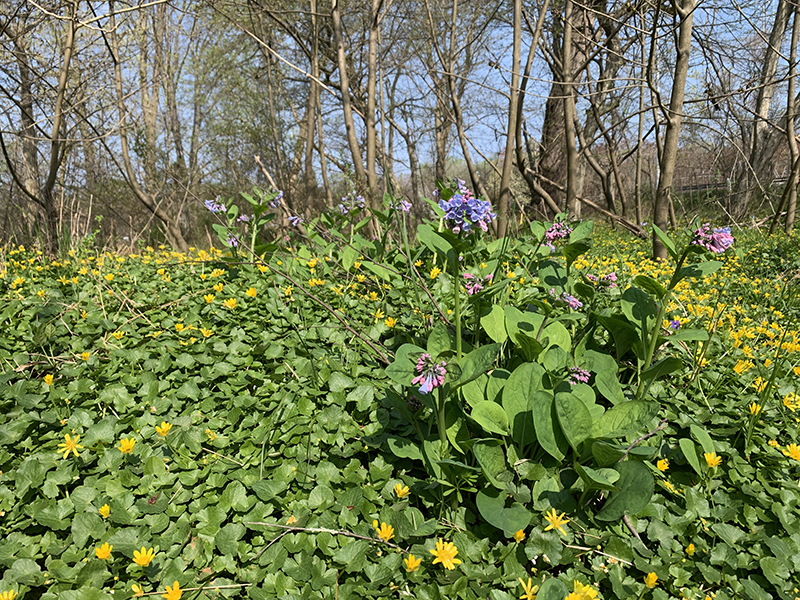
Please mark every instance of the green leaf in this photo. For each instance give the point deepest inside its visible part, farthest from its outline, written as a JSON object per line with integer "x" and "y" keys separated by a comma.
{"x": 554, "y": 359}
{"x": 476, "y": 363}
{"x": 624, "y": 333}
{"x": 440, "y": 341}
{"x": 491, "y": 417}
{"x": 601, "y": 479}
{"x": 640, "y": 308}
{"x": 548, "y": 434}
{"x": 227, "y": 538}
{"x": 582, "y": 231}
{"x": 699, "y": 270}
{"x": 574, "y": 418}
{"x": 575, "y": 249}
{"x": 635, "y": 489}
{"x": 667, "y": 241}
{"x": 494, "y": 324}
{"x": 517, "y": 393}
{"x": 352, "y": 555}
{"x": 403, "y": 369}
{"x": 403, "y": 448}
{"x": 690, "y": 453}
{"x": 689, "y": 335}
{"x": 650, "y": 285}
{"x": 775, "y": 571}
{"x": 662, "y": 368}
{"x": 701, "y": 435}
{"x": 492, "y": 459}
{"x": 625, "y": 418}
{"x": 266, "y": 490}
{"x": 552, "y": 589}
{"x": 553, "y": 276}
{"x": 491, "y": 505}
{"x": 87, "y": 525}
{"x": 754, "y": 591}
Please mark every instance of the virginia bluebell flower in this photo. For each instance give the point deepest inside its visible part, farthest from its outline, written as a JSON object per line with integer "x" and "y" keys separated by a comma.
{"x": 215, "y": 206}
{"x": 431, "y": 374}
{"x": 717, "y": 241}
{"x": 578, "y": 375}
{"x": 464, "y": 211}
{"x": 295, "y": 221}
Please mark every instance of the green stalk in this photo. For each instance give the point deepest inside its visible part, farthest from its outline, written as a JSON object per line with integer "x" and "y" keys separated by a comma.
{"x": 442, "y": 423}
{"x": 457, "y": 292}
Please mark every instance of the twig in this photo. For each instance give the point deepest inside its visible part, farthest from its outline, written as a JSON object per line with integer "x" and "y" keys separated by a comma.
{"x": 661, "y": 425}
{"x": 222, "y": 456}
{"x": 626, "y": 519}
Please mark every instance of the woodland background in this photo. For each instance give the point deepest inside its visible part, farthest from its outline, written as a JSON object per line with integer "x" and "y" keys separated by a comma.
{"x": 120, "y": 118}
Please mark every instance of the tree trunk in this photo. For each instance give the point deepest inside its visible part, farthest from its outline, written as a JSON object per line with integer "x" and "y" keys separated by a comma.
{"x": 669, "y": 155}
{"x": 571, "y": 200}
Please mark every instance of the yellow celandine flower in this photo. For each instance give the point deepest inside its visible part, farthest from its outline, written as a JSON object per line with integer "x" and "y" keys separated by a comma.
{"x": 742, "y": 366}
{"x": 126, "y": 445}
{"x": 137, "y": 590}
{"x": 651, "y": 580}
{"x": 791, "y": 401}
{"x": 206, "y": 332}
{"x": 104, "y": 511}
{"x": 109, "y": 277}
{"x": 759, "y": 384}
{"x": 796, "y": 370}
{"x": 48, "y": 379}
{"x": 312, "y": 263}
{"x": 104, "y": 551}
{"x": 385, "y": 532}
{"x": 792, "y": 451}
{"x": 690, "y": 549}
{"x": 530, "y": 590}
{"x": 662, "y": 464}
{"x": 291, "y": 520}
{"x": 211, "y": 435}
{"x": 251, "y": 292}
{"x": 8, "y": 595}
{"x": 69, "y": 445}
{"x": 774, "y": 443}
{"x": 209, "y": 298}
{"x": 179, "y": 327}
{"x": 754, "y": 408}
{"x": 217, "y": 287}
{"x": 373, "y": 296}
{"x": 418, "y": 263}
{"x": 390, "y": 322}
{"x": 287, "y": 291}
{"x": 86, "y": 355}
{"x": 435, "y": 272}
{"x": 583, "y": 591}
{"x": 519, "y": 536}
{"x": 144, "y": 556}
{"x": 378, "y": 314}
{"x": 163, "y": 429}
{"x": 445, "y": 553}
{"x": 412, "y": 563}
{"x": 712, "y": 460}
{"x": 229, "y": 303}
{"x": 401, "y": 490}
{"x": 118, "y": 334}
{"x": 361, "y": 278}
{"x": 556, "y": 521}
{"x": 173, "y": 593}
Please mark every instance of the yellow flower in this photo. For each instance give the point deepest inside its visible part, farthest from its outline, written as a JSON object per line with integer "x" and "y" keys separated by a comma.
{"x": 792, "y": 451}
{"x": 126, "y": 445}
{"x": 754, "y": 408}
{"x": 85, "y": 355}
{"x": 401, "y": 490}
{"x": 163, "y": 429}
{"x": 173, "y": 593}
{"x": 206, "y": 332}
{"x": 662, "y": 464}
{"x": 412, "y": 563}
{"x": 774, "y": 443}
{"x": 690, "y": 549}
{"x": 759, "y": 384}
{"x": 118, "y": 334}
{"x": 584, "y": 592}
{"x": 137, "y": 590}
{"x": 179, "y": 327}
{"x": 9, "y": 595}
{"x": 109, "y": 277}
{"x": 556, "y": 521}
{"x": 390, "y": 322}
{"x": 519, "y": 536}
{"x": 217, "y": 287}
{"x": 209, "y": 298}
{"x": 251, "y": 292}
{"x": 291, "y": 520}
{"x": 312, "y": 263}
{"x": 651, "y": 580}
{"x": 529, "y": 589}
{"x": 712, "y": 460}
{"x": 229, "y": 303}
{"x": 418, "y": 263}
{"x": 48, "y": 379}
{"x": 445, "y": 553}
{"x": 385, "y": 532}
{"x": 104, "y": 511}
{"x": 69, "y": 445}
{"x": 435, "y": 271}
{"x": 287, "y": 291}
{"x": 796, "y": 370}
{"x": 104, "y": 551}
{"x": 742, "y": 366}
{"x": 144, "y": 556}
{"x": 211, "y": 435}
{"x": 378, "y": 314}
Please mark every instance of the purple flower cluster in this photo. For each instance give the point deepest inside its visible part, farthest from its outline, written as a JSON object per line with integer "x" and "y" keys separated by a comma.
{"x": 475, "y": 284}
{"x": 716, "y": 241}
{"x": 557, "y": 231}
{"x": 276, "y": 201}
{"x": 465, "y": 211}
{"x": 674, "y": 324}
{"x": 245, "y": 218}
{"x": 232, "y": 240}
{"x": 295, "y": 221}
{"x": 404, "y": 206}
{"x": 215, "y": 206}
{"x": 350, "y": 203}
{"x": 577, "y": 375}
{"x": 569, "y": 300}
{"x": 431, "y": 374}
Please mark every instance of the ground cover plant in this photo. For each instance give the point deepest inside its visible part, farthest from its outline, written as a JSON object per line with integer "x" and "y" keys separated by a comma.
{"x": 337, "y": 416}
